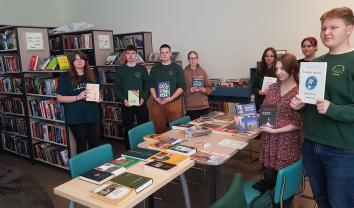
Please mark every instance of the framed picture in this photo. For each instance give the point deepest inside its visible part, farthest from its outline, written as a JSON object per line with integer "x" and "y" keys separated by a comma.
{"x": 281, "y": 52}
{"x": 153, "y": 57}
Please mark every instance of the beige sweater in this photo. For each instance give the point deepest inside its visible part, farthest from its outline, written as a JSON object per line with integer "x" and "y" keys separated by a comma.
{"x": 196, "y": 100}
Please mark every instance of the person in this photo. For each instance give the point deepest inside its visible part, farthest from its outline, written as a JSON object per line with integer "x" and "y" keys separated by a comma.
{"x": 132, "y": 76}
{"x": 196, "y": 100}
{"x": 328, "y": 148}
{"x": 309, "y": 48}
{"x": 169, "y": 107}
{"x": 82, "y": 117}
{"x": 266, "y": 69}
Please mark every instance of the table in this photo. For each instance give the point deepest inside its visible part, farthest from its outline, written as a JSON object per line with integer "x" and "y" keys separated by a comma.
{"x": 78, "y": 190}
{"x": 213, "y": 139}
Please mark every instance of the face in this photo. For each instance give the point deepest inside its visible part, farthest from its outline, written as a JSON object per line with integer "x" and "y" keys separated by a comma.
{"x": 307, "y": 49}
{"x": 269, "y": 58}
{"x": 165, "y": 54}
{"x": 193, "y": 59}
{"x": 79, "y": 63}
{"x": 281, "y": 74}
{"x": 334, "y": 33}
{"x": 131, "y": 56}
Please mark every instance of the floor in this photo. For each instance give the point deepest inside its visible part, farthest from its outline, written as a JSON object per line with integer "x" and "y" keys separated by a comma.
{"x": 49, "y": 177}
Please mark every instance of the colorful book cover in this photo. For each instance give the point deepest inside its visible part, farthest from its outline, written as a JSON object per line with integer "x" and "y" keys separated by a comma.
{"x": 140, "y": 153}
{"x": 172, "y": 158}
{"x": 43, "y": 64}
{"x": 248, "y": 117}
{"x": 198, "y": 82}
{"x": 131, "y": 180}
{"x": 268, "y": 116}
{"x": 163, "y": 89}
{"x": 94, "y": 92}
{"x": 52, "y": 64}
{"x": 33, "y": 64}
{"x": 63, "y": 62}
{"x": 159, "y": 166}
{"x": 113, "y": 193}
{"x": 111, "y": 168}
{"x": 226, "y": 131}
{"x": 181, "y": 149}
{"x": 125, "y": 161}
{"x": 209, "y": 157}
{"x": 133, "y": 97}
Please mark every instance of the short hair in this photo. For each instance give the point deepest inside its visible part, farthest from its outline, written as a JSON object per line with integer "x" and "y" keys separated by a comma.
{"x": 312, "y": 40}
{"x": 263, "y": 71}
{"x": 131, "y": 48}
{"x": 165, "y": 46}
{"x": 344, "y": 13}
{"x": 290, "y": 65}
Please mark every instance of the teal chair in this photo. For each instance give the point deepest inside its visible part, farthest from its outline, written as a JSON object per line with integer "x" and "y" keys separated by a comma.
{"x": 289, "y": 180}
{"x": 234, "y": 196}
{"x": 182, "y": 120}
{"x": 88, "y": 160}
{"x": 137, "y": 133}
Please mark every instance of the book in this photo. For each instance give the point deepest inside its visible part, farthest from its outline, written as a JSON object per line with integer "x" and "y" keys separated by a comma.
{"x": 199, "y": 145}
{"x": 249, "y": 134}
{"x": 248, "y": 117}
{"x": 133, "y": 97}
{"x": 209, "y": 126}
{"x": 172, "y": 158}
{"x": 225, "y": 119}
{"x": 125, "y": 162}
{"x": 122, "y": 59}
{"x": 181, "y": 149}
{"x": 163, "y": 89}
{"x": 194, "y": 132}
{"x": 111, "y": 58}
{"x": 33, "y": 64}
{"x": 43, "y": 64}
{"x": 52, "y": 64}
{"x": 212, "y": 115}
{"x": 113, "y": 193}
{"x": 209, "y": 157}
{"x": 198, "y": 82}
{"x": 153, "y": 57}
{"x": 154, "y": 137}
{"x": 96, "y": 176}
{"x": 199, "y": 121}
{"x": 94, "y": 92}
{"x": 268, "y": 81}
{"x": 164, "y": 144}
{"x": 182, "y": 126}
{"x": 140, "y": 153}
{"x": 268, "y": 116}
{"x": 111, "y": 168}
{"x": 63, "y": 62}
{"x": 225, "y": 131}
{"x": 233, "y": 144}
{"x": 312, "y": 81}
{"x": 159, "y": 167}
{"x": 139, "y": 59}
{"x": 134, "y": 181}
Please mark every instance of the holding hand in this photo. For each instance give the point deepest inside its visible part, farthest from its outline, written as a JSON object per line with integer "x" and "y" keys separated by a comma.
{"x": 126, "y": 103}
{"x": 202, "y": 89}
{"x": 82, "y": 95}
{"x": 322, "y": 105}
{"x": 159, "y": 101}
{"x": 166, "y": 100}
{"x": 267, "y": 129}
{"x": 141, "y": 101}
{"x": 262, "y": 92}
{"x": 296, "y": 103}
{"x": 193, "y": 89}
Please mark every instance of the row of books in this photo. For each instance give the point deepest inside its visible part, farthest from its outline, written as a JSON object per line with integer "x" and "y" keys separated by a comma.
{"x": 10, "y": 84}
{"x": 51, "y": 153}
{"x": 116, "y": 58}
{"x": 78, "y": 42}
{"x": 121, "y": 43}
{"x": 111, "y": 112}
{"x": 41, "y": 85}
{"x": 108, "y": 95}
{"x": 9, "y": 64}
{"x": 107, "y": 76}
{"x": 113, "y": 129}
{"x": 49, "y": 132}
{"x": 54, "y": 44}
{"x": 8, "y": 40}
{"x": 15, "y": 143}
{"x": 13, "y": 124}
{"x": 12, "y": 105}
{"x": 59, "y": 62}
{"x": 223, "y": 106}
{"x": 50, "y": 109}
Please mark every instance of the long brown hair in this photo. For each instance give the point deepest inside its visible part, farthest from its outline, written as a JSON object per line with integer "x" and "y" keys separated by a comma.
{"x": 264, "y": 68}
{"x": 190, "y": 52}
{"x": 88, "y": 74}
{"x": 290, "y": 65}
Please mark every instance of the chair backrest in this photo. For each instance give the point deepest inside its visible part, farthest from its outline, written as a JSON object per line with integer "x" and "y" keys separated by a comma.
{"x": 183, "y": 120}
{"x": 292, "y": 177}
{"x": 137, "y": 133}
{"x": 90, "y": 159}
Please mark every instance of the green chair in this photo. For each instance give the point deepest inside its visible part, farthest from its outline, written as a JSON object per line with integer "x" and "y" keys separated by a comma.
{"x": 234, "y": 196}
{"x": 182, "y": 120}
{"x": 88, "y": 160}
{"x": 137, "y": 133}
{"x": 289, "y": 180}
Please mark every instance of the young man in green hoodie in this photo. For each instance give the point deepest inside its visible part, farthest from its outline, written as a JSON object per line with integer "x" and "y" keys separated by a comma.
{"x": 328, "y": 148}
{"x": 132, "y": 76}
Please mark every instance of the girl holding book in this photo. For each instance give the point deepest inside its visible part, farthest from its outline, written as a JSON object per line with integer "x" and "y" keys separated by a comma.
{"x": 309, "y": 48}
{"x": 198, "y": 87}
{"x": 266, "y": 69}
{"x": 82, "y": 117}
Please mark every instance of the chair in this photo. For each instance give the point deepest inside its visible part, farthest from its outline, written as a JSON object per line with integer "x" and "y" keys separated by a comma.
{"x": 88, "y": 160}
{"x": 234, "y": 196}
{"x": 182, "y": 120}
{"x": 289, "y": 180}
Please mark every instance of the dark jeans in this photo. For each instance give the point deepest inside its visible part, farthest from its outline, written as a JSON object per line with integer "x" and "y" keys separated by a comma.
{"x": 128, "y": 113}
{"x": 331, "y": 174}
{"x": 194, "y": 114}
{"x": 86, "y": 133}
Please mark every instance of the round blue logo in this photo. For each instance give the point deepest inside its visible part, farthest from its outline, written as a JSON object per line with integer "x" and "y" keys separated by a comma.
{"x": 311, "y": 83}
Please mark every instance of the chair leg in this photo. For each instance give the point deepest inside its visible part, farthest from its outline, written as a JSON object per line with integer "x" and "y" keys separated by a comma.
{"x": 72, "y": 204}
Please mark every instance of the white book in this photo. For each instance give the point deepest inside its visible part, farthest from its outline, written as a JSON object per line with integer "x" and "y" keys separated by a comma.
{"x": 312, "y": 81}
{"x": 114, "y": 169}
{"x": 267, "y": 81}
{"x": 233, "y": 144}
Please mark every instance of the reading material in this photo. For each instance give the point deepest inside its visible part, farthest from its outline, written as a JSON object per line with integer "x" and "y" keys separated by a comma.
{"x": 248, "y": 117}
{"x": 133, "y": 97}
{"x": 158, "y": 166}
{"x": 268, "y": 116}
{"x": 172, "y": 158}
{"x": 96, "y": 176}
{"x": 94, "y": 92}
{"x": 198, "y": 82}
{"x": 267, "y": 81}
{"x": 163, "y": 89}
{"x": 131, "y": 180}
{"x": 233, "y": 144}
{"x": 114, "y": 169}
{"x": 113, "y": 193}
{"x": 209, "y": 157}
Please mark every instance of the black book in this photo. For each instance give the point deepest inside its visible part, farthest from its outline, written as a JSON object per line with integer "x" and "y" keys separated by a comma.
{"x": 268, "y": 116}
{"x": 96, "y": 176}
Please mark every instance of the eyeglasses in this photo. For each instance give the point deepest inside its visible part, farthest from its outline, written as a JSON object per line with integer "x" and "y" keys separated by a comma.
{"x": 194, "y": 58}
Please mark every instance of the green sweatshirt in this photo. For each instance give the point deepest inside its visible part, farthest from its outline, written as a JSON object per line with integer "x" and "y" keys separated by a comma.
{"x": 172, "y": 73}
{"x": 257, "y": 84}
{"x": 131, "y": 78}
{"x": 336, "y": 127}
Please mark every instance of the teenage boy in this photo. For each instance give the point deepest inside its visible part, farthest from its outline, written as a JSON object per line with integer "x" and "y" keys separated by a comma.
{"x": 132, "y": 76}
{"x": 328, "y": 148}
{"x": 170, "y": 106}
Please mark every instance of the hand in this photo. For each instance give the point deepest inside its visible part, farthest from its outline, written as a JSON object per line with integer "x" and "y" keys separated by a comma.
{"x": 141, "y": 101}
{"x": 160, "y": 101}
{"x": 262, "y": 92}
{"x": 82, "y": 95}
{"x": 99, "y": 100}
{"x": 167, "y": 100}
{"x": 202, "y": 89}
{"x": 296, "y": 103}
{"x": 267, "y": 129}
{"x": 322, "y": 105}
{"x": 126, "y": 103}
{"x": 193, "y": 89}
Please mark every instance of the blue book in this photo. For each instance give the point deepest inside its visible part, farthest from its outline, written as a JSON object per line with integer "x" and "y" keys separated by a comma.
{"x": 248, "y": 117}
{"x": 163, "y": 89}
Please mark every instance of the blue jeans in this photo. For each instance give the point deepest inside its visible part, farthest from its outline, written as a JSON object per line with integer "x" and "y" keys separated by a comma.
{"x": 331, "y": 174}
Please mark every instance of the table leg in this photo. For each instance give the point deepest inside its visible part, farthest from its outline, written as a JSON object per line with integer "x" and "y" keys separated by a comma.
{"x": 185, "y": 190}
{"x": 151, "y": 201}
{"x": 212, "y": 175}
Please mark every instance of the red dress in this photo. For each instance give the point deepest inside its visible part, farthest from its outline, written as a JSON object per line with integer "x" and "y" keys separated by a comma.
{"x": 282, "y": 149}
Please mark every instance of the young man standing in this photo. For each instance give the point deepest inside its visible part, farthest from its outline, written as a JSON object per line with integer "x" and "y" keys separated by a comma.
{"x": 328, "y": 148}
{"x": 132, "y": 76}
{"x": 171, "y": 75}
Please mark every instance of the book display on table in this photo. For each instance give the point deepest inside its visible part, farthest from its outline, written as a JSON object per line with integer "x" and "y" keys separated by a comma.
{"x": 209, "y": 126}
{"x": 111, "y": 168}
{"x": 125, "y": 162}
{"x": 155, "y": 137}
{"x": 140, "y": 153}
{"x": 233, "y": 144}
{"x": 268, "y": 116}
{"x": 228, "y": 119}
{"x": 195, "y": 132}
{"x": 209, "y": 157}
{"x": 226, "y": 131}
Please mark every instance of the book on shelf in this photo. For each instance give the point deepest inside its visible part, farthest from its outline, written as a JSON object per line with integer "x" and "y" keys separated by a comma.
{"x": 10, "y": 84}
{"x": 49, "y": 132}
{"x": 172, "y": 158}
{"x": 195, "y": 132}
{"x": 51, "y": 153}
{"x": 113, "y": 193}
{"x": 233, "y": 144}
{"x": 181, "y": 149}
{"x": 63, "y": 62}
{"x": 173, "y": 56}
{"x": 43, "y": 64}
{"x": 248, "y": 117}
{"x": 12, "y": 105}
{"x": 268, "y": 116}
{"x": 159, "y": 167}
{"x": 198, "y": 82}
{"x": 268, "y": 81}
{"x": 112, "y": 112}
{"x": 9, "y": 64}
{"x": 111, "y": 58}
{"x": 122, "y": 59}
{"x": 52, "y": 64}
{"x": 163, "y": 90}
{"x": 96, "y": 176}
{"x": 33, "y": 63}
{"x": 312, "y": 81}
{"x": 107, "y": 76}
{"x": 13, "y": 124}
{"x": 139, "y": 59}
{"x": 209, "y": 157}
{"x": 154, "y": 57}
{"x": 15, "y": 143}
{"x": 8, "y": 40}
{"x": 134, "y": 181}
{"x": 111, "y": 168}
{"x": 125, "y": 162}
{"x": 94, "y": 92}
{"x": 155, "y": 137}
{"x": 182, "y": 126}
{"x": 113, "y": 129}
{"x": 140, "y": 153}
{"x": 133, "y": 97}
{"x": 41, "y": 85}
{"x": 164, "y": 144}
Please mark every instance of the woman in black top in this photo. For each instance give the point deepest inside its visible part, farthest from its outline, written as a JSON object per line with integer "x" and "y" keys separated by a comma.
{"x": 82, "y": 117}
{"x": 266, "y": 69}
{"x": 309, "y": 48}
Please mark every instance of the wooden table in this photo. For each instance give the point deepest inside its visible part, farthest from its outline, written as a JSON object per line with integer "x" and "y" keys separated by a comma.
{"x": 78, "y": 190}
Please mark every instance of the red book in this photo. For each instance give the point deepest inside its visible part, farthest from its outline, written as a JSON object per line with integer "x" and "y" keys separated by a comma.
{"x": 68, "y": 43}
{"x": 33, "y": 64}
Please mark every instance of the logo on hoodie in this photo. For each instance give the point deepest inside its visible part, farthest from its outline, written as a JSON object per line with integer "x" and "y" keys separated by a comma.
{"x": 338, "y": 70}
{"x": 171, "y": 72}
{"x": 137, "y": 75}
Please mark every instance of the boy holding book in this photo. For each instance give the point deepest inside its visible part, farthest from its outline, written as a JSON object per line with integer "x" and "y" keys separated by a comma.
{"x": 328, "y": 148}
{"x": 167, "y": 105}
{"x": 129, "y": 77}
